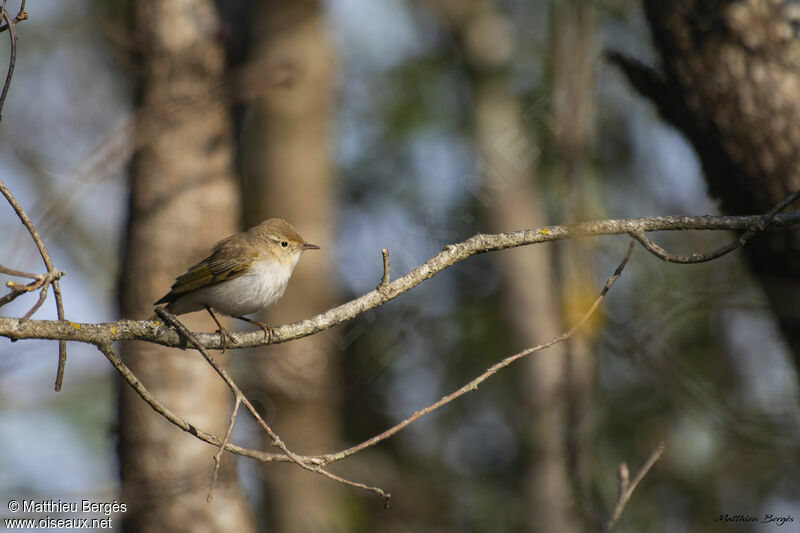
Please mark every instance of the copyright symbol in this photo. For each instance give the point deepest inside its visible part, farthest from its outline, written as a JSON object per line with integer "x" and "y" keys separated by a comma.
{"x": 13, "y": 506}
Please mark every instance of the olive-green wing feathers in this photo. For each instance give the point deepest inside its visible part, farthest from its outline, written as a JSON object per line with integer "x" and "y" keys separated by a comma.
{"x": 217, "y": 267}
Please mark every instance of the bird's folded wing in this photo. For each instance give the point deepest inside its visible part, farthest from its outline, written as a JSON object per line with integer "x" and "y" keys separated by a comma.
{"x": 212, "y": 270}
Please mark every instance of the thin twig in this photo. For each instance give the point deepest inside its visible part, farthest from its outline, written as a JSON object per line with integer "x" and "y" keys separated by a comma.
{"x": 17, "y": 289}
{"x": 127, "y": 374}
{"x": 183, "y": 330}
{"x": 387, "y": 269}
{"x": 237, "y": 392}
{"x": 18, "y": 273}
{"x": 473, "y": 385}
{"x": 28, "y": 287}
{"x": 26, "y": 221}
{"x": 41, "y": 281}
{"x": 48, "y": 263}
{"x": 37, "y": 305}
{"x": 10, "y": 297}
{"x": 21, "y": 15}
{"x": 759, "y": 225}
{"x": 225, "y": 441}
{"x": 12, "y": 33}
{"x": 786, "y": 202}
{"x": 626, "y": 489}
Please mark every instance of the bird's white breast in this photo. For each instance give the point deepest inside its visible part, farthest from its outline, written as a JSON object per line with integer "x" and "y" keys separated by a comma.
{"x": 260, "y": 288}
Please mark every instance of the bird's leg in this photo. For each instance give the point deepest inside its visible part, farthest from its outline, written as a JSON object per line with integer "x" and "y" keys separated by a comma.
{"x": 223, "y": 333}
{"x": 269, "y": 332}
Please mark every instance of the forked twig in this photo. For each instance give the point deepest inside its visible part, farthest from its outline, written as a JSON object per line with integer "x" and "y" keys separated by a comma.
{"x": 759, "y": 224}
{"x": 626, "y": 487}
{"x": 21, "y": 15}
{"x": 41, "y": 281}
{"x": 54, "y": 276}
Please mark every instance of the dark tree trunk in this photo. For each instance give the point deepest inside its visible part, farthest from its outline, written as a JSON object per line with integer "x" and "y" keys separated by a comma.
{"x": 731, "y": 83}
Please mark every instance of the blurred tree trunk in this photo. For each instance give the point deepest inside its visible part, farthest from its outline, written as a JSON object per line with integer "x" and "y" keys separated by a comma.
{"x": 731, "y": 84}
{"x": 573, "y": 112}
{"x": 183, "y": 198}
{"x": 287, "y": 171}
{"x": 507, "y": 194}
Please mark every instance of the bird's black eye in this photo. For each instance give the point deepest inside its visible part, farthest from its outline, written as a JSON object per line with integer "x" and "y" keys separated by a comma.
{"x": 284, "y": 244}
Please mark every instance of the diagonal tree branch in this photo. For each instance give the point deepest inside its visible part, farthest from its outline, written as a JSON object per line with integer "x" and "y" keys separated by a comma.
{"x": 116, "y": 361}
{"x": 473, "y": 385}
{"x": 102, "y": 335}
{"x": 452, "y": 254}
{"x": 318, "y": 463}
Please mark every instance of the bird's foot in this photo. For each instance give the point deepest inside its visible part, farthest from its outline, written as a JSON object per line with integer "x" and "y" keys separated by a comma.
{"x": 269, "y": 331}
{"x": 224, "y": 336}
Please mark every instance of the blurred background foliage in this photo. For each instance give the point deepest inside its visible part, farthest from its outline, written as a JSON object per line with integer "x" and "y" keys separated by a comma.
{"x": 688, "y": 355}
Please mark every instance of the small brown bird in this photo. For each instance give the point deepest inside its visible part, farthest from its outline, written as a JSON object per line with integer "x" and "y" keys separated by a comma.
{"x": 245, "y": 273}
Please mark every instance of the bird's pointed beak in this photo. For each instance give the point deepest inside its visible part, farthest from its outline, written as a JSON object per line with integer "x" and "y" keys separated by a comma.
{"x": 309, "y": 246}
